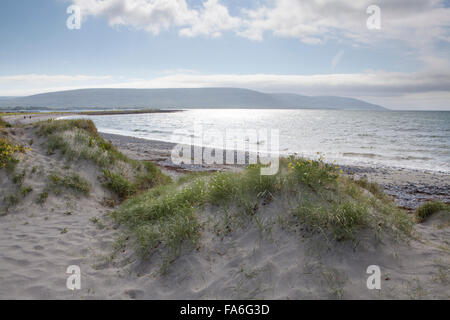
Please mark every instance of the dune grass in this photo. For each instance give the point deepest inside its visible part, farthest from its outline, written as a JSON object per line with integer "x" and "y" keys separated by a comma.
{"x": 429, "y": 208}
{"x": 79, "y": 140}
{"x": 167, "y": 217}
{"x": 164, "y": 217}
{"x": 72, "y": 182}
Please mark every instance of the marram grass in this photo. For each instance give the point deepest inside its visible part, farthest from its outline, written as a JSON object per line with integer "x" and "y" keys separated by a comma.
{"x": 167, "y": 217}
{"x": 428, "y": 208}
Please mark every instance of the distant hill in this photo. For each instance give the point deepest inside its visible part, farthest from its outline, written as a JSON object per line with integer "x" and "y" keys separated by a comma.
{"x": 182, "y": 98}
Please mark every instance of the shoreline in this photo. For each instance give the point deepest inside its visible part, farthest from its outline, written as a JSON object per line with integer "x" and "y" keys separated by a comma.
{"x": 409, "y": 187}
{"x": 27, "y": 118}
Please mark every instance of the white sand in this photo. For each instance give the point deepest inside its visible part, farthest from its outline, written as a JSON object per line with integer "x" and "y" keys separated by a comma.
{"x": 258, "y": 262}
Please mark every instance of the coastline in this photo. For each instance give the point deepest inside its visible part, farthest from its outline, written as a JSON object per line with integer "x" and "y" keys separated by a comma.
{"x": 408, "y": 187}
{"x": 65, "y": 214}
{"x": 27, "y": 118}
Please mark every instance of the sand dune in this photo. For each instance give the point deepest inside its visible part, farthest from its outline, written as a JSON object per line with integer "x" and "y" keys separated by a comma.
{"x": 266, "y": 260}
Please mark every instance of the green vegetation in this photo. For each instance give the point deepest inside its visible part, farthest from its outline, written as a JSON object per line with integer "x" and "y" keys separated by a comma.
{"x": 312, "y": 173}
{"x": 119, "y": 184}
{"x": 428, "y": 208}
{"x": 26, "y": 191}
{"x": 149, "y": 177}
{"x": 167, "y": 216}
{"x": 79, "y": 140}
{"x": 371, "y": 187}
{"x": 97, "y": 222}
{"x": 13, "y": 199}
{"x": 340, "y": 219}
{"x": 9, "y": 163}
{"x": 161, "y": 217}
{"x": 10, "y": 200}
{"x": 42, "y": 197}
{"x": 8, "y": 153}
{"x": 72, "y": 182}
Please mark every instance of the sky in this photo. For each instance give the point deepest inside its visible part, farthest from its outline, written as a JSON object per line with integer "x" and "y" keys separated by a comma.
{"x": 396, "y": 54}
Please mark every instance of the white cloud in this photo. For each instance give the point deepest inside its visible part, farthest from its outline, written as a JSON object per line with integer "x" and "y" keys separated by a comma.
{"x": 421, "y": 89}
{"x": 211, "y": 19}
{"x": 417, "y": 22}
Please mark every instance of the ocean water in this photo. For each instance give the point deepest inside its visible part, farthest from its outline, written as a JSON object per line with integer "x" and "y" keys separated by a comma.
{"x": 408, "y": 139}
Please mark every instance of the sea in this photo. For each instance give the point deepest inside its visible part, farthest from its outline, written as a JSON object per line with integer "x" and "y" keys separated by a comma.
{"x": 401, "y": 139}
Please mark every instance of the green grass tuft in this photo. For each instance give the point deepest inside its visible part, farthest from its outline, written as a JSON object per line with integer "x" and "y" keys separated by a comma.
{"x": 165, "y": 217}
{"x": 339, "y": 220}
{"x": 79, "y": 140}
{"x": 73, "y": 182}
{"x": 42, "y": 197}
{"x": 428, "y": 208}
{"x": 119, "y": 184}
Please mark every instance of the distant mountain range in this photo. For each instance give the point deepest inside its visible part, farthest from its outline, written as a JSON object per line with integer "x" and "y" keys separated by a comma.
{"x": 180, "y": 99}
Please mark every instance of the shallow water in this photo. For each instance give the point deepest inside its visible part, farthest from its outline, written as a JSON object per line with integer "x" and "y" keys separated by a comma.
{"x": 409, "y": 139}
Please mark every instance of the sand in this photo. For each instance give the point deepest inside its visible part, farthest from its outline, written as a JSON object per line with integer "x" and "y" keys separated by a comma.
{"x": 264, "y": 261}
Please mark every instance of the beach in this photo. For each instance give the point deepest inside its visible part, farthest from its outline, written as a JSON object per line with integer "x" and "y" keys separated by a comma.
{"x": 268, "y": 256}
